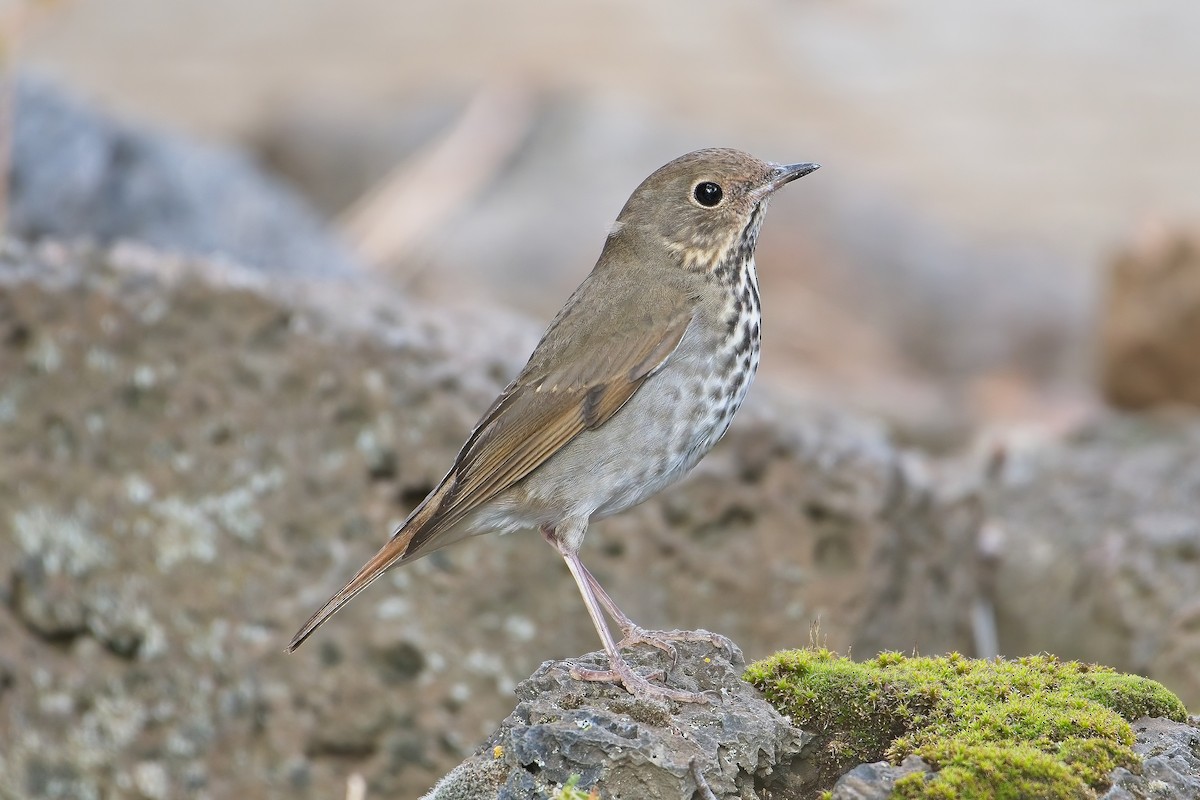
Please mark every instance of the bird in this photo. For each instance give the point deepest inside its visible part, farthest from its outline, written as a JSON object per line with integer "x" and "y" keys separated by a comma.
{"x": 632, "y": 383}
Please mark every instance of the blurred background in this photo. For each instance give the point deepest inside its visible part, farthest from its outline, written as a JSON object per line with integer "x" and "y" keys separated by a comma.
{"x": 995, "y": 277}
{"x": 1060, "y": 128}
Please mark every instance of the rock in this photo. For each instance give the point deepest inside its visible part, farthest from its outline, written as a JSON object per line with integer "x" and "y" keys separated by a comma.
{"x": 1150, "y": 323}
{"x": 46, "y": 602}
{"x": 184, "y": 446}
{"x": 1102, "y": 528}
{"x": 195, "y": 456}
{"x": 1170, "y": 766}
{"x": 78, "y": 173}
{"x": 875, "y": 781}
{"x": 596, "y": 737}
{"x": 736, "y": 746}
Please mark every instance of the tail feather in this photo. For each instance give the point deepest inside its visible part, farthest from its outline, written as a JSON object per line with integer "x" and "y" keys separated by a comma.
{"x": 424, "y": 519}
{"x": 387, "y": 556}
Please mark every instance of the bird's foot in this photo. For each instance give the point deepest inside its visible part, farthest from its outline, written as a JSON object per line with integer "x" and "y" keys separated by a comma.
{"x": 637, "y": 685}
{"x": 634, "y": 635}
{"x": 662, "y": 640}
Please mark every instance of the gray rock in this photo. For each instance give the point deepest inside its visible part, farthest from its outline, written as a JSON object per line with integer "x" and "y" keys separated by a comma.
{"x": 1171, "y": 762}
{"x": 735, "y": 746}
{"x": 875, "y": 781}
{"x": 195, "y": 456}
{"x": 46, "y": 601}
{"x": 78, "y": 173}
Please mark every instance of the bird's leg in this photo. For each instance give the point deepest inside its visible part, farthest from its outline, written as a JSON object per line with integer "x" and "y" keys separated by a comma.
{"x": 631, "y": 632}
{"x": 636, "y": 634}
{"x": 619, "y": 670}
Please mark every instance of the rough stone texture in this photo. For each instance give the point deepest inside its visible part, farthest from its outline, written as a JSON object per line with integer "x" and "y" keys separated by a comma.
{"x": 735, "y": 746}
{"x": 194, "y": 457}
{"x": 1171, "y": 765}
{"x": 1097, "y": 548}
{"x": 188, "y": 463}
{"x": 78, "y": 173}
{"x": 875, "y": 781}
{"x": 1151, "y": 323}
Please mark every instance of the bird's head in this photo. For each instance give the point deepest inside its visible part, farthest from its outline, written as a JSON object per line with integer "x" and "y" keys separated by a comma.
{"x": 704, "y": 206}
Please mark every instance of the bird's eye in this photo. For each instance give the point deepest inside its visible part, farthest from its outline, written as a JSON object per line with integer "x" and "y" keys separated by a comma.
{"x": 708, "y": 194}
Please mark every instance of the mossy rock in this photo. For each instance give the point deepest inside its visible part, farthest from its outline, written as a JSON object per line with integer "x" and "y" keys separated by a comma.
{"x": 1033, "y": 727}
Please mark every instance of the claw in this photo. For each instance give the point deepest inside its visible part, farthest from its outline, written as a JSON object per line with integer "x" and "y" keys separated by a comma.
{"x": 634, "y": 635}
{"x": 662, "y": 639}
{"x": 637, "y": 685}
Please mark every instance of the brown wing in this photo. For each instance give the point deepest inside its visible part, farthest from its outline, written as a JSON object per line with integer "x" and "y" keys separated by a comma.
{"x": 539, "y": 414}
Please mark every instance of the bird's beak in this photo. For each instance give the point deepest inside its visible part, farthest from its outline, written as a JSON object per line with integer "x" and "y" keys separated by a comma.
{"x": 786, "y": 173}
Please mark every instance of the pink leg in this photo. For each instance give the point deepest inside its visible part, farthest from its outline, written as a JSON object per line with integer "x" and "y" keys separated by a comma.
{"x": 619, "y": 671}
{"x": 635, "y": 634}
{"x": 631, "y": 632}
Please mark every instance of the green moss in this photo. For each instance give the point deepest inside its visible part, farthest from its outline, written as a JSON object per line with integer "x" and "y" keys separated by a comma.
{"x": 571, "y": 791}
{"x": 1034, "y": 727}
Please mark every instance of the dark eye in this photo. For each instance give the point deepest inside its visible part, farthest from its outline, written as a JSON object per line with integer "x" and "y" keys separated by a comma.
{"x": 707, "y": 193}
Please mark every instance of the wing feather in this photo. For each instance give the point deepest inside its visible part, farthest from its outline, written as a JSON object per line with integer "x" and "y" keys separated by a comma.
{"x": 535, "y": 418}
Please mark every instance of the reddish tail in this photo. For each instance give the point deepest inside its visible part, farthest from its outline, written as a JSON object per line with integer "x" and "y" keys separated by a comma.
{"x": 424, "y": 518}
{"x": 388, "y": 555}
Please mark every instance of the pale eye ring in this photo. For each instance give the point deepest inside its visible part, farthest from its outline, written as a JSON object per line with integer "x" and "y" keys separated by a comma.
{"x": 708, "y": 193}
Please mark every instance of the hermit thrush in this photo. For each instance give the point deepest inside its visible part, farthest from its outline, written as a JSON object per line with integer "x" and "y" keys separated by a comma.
{"x": 634, "y": 381}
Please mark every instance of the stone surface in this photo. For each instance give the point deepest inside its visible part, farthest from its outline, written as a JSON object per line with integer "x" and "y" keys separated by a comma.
{"x": 186, "y": 456}
{"x": 875, "y": 781}
{"x": 735, "y": 746}
{"x": 77, "y": 173}
{"x": 1171, "y": 765}
{"x": 195, "y": 456}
